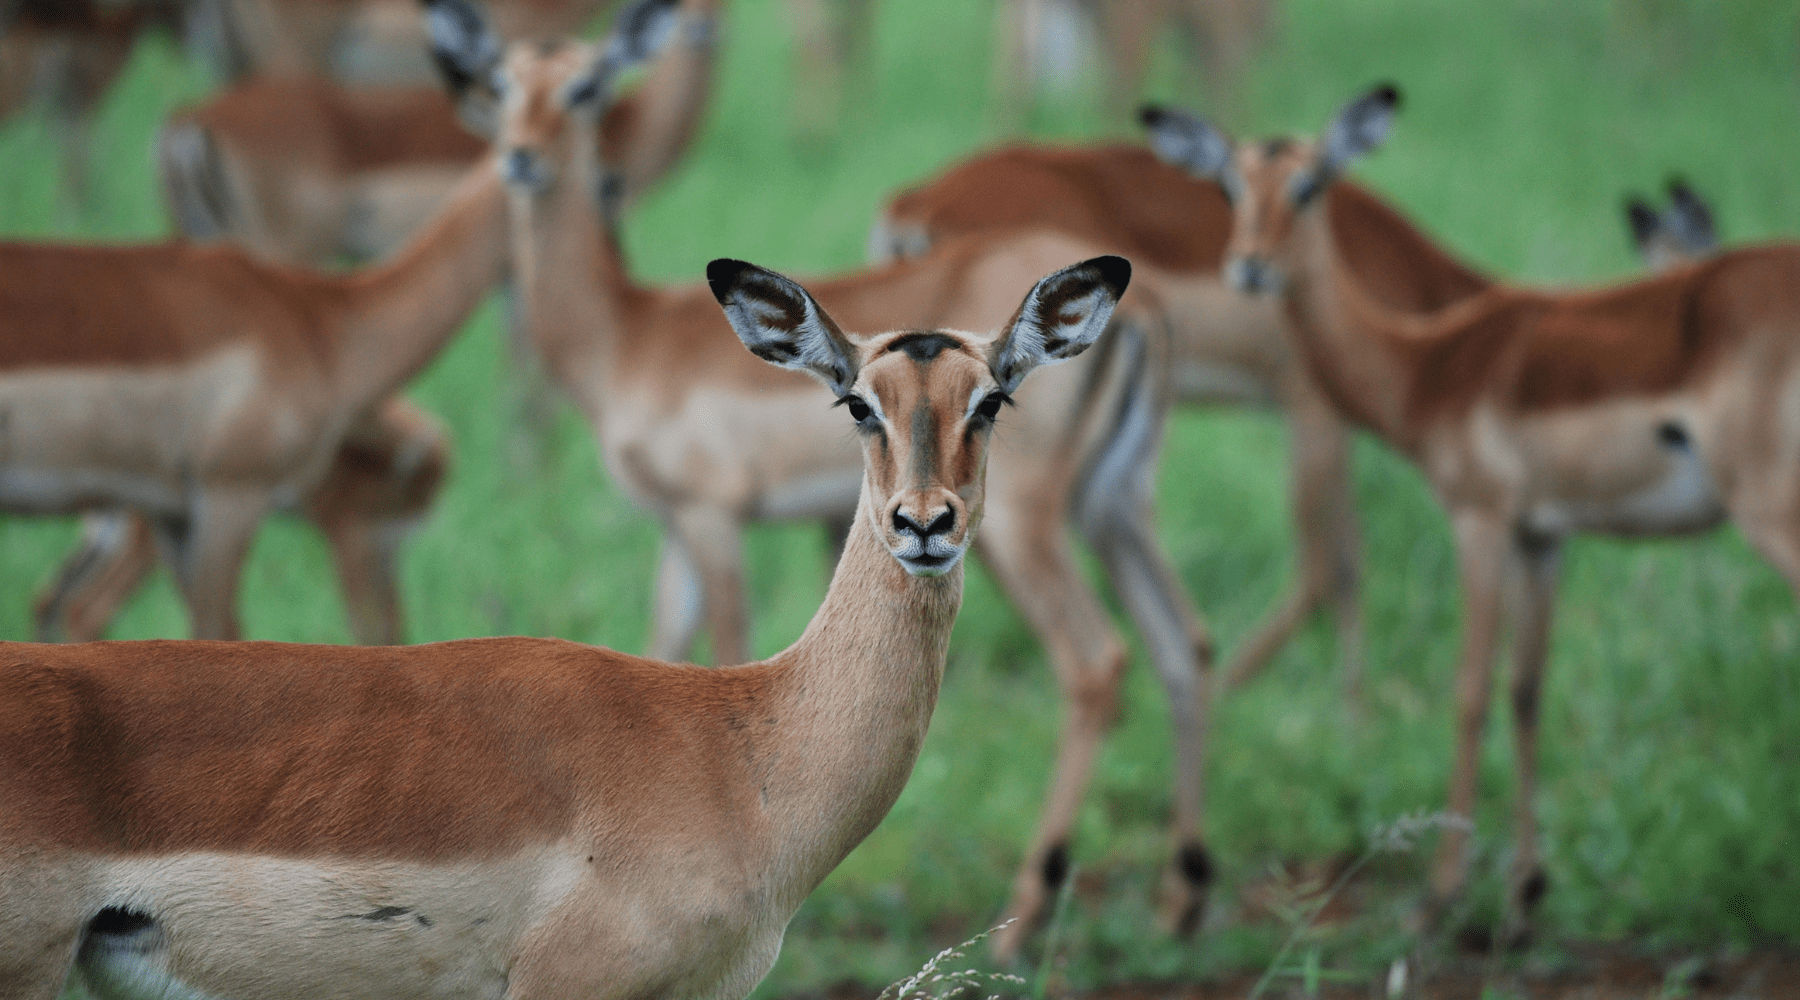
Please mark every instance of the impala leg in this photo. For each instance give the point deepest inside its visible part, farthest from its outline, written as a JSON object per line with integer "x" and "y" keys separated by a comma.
{"x": 1330, "y": 545}
{"x": 207, "y": 553}
{"x": 1181, "y": 649}
{"x": 116, "y": 552}
{"x": 1536, "y": 565}
{"x": 714, "y": 541}
{"x": 676, "y": 613}
{"x": 1481, "y": 543}
{"x": 1031, "y": 556}
{"x": 364, "y": 552}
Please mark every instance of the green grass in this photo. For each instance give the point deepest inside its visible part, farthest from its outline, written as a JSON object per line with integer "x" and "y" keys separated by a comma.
{"x": 1670, "y": 792}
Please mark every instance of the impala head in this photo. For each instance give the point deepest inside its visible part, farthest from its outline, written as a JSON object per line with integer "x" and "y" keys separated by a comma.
{"x": 924, "y": 402}
{"x": 540, "y": 102}
{"x": 1271, "y": 184}
{"x": 1680, "y": 235}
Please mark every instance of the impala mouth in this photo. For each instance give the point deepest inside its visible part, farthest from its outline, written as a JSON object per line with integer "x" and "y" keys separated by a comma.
{"x": 929, "y": 564}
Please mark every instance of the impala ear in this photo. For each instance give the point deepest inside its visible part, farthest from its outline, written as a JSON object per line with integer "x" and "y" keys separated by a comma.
{"x": 781, "y": 323}
{"x": 1643, "y": 222}
{"x": 1691, "y": 218}
{"x": 1360, "y": 128}
{"x": 639, "y": 33}
{"x": 1185, "y": 140}
{"x": 1061, "y": 317}
{"x": 467, "y": 54}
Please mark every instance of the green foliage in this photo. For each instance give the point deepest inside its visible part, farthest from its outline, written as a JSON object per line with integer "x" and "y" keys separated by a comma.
{"x": 1670, "y": 792}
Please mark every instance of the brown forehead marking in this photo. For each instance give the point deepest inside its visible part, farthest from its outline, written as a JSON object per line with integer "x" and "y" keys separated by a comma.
{"x": 922, "y": 346}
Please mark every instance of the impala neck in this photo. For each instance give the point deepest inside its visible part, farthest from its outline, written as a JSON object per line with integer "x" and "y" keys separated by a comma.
{"x": 853, "y": 698}
{"x": 1350, "y": 343}
{"x": 574, "y": 290}
{"x": 398, "y": 315}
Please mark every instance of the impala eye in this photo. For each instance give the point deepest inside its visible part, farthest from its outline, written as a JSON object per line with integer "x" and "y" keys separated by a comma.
{"x": 584, "y": 91}
{"x": 990, "y": 407}
{"x": 859, "y": 410}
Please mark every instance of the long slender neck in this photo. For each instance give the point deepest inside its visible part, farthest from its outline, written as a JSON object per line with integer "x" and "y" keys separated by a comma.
{"x": 853, "y": 698}
{"x": 574, "y": 291}
{"x": 1344, "y": 334}
{"x": 397, "y": 316}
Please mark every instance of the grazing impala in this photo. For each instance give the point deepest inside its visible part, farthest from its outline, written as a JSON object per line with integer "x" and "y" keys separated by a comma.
{"x": 1680, "y": 234}
{"x": 1657, "y": 407}
{"x": 382, "y": 480}
{"x": 302, "y": 170}
{"x": 515, "y": 817}
{"x": 682, "y": 426}
{"x": 1228, "y": 346}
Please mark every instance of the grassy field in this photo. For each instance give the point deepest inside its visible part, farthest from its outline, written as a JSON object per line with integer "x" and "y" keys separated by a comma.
{"x": 1670, "y": 780}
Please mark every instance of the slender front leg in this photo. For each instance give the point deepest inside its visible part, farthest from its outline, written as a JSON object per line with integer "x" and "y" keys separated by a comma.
{"x": 208, "y": 557}
{"x": 1029, "y": 552}
{"x": 1536, "y": 564}
{"x": 1481, "y": 543}
{"x": 713, "y": 539}
{"x": 676, "y": 605}
{"x": 116, "y": 552}
{"x": 363, "y": 551}
{"x": 1330, "y": 542}
{"x": 1124, "y": 536}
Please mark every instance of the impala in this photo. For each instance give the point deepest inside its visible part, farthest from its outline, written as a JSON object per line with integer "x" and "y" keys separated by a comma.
{"x": 1656, "y": 407}
{"x": 515, "y": 817}
{"x": 1228, "y": 346}
{"x": 302, "y": 170}
{"x": 682, "y": 421}
{"x": 383, "y": 479}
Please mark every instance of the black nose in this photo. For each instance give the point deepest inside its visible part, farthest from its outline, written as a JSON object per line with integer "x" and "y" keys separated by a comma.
{"x": 940, "y": 525}
{"x": 519, "y": 166}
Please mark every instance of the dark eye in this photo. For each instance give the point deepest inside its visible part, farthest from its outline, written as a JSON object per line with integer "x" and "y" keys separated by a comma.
{"x": 859, "y": 410}
{"x": 990, "y": 407}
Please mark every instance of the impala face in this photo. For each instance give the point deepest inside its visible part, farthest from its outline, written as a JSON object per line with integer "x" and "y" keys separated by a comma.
{"x": 540, "y": 101}
{"x": 924, "y": 402}
{"x": 1271, "y": 184}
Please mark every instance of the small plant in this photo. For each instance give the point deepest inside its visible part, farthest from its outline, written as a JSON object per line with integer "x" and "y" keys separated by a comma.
{"x": 1398, "y": 837}
{"x": 963, "y": 984}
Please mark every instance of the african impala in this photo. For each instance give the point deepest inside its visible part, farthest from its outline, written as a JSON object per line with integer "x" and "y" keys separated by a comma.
{"x": 515, "y": 817}
{"x": 302, "y": 170}
{"x": 382, "y": 480}
{"x": 1656, "y": 407}
{"x": 683, "y": 426}
{"x": 1228, "y": 346}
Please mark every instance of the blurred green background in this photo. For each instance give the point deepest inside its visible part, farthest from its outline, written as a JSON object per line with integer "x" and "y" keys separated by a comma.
{"x": 1670, "y": 781}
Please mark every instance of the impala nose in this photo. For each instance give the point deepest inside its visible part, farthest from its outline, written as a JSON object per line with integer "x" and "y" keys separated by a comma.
{"x": 907, "y": 523}
{"x": 524, "y": 168}
{"x": 1251, "y": 275}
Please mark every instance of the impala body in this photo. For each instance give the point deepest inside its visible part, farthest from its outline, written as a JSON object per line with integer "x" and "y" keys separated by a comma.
{"x": 687, "y": 426}
{"x": 519, "y": 818}
{"x": 1658, "y": 407}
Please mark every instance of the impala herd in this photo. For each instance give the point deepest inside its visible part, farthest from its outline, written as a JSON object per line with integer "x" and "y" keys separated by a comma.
{"x": 520, "y": 817}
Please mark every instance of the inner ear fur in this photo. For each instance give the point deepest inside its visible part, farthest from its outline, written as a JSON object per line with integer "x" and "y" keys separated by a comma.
{"x": 467, "y": 53}
{"x": 1184, "y": 140}
{"x": 782, "y": 324}
{"x": 1061, "y": 316}
{"x": 1357, "y": 129}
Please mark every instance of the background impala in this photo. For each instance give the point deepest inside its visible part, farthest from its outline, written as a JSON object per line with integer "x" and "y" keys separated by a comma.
{"x": 1516, "y": 153}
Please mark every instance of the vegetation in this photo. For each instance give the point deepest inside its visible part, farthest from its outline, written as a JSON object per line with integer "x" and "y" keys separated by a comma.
{"x": 1670, "y": 785}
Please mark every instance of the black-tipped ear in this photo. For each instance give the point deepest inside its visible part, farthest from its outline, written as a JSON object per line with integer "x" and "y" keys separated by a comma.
{"x": 1185, "y": 140}
{"x": 781, "y": 323}
{"x": 1691, "y": 218}
{"x": 1643, "y": 222}
{"x": 1061, "y": 317}
{"x": 467, "y": 54}
{"x": 1359, "y": 128}
{"x": 640, "y": 32}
